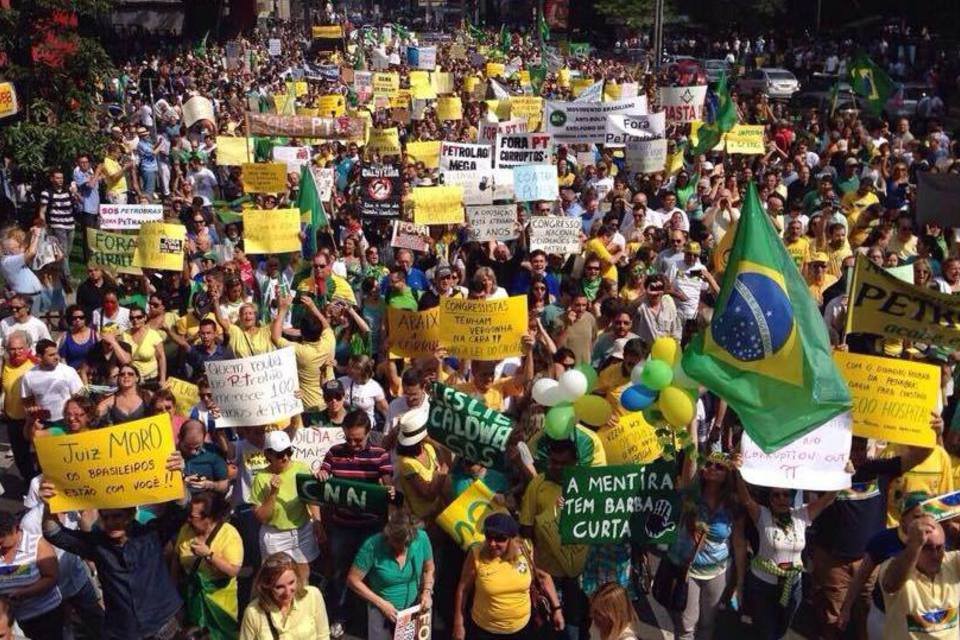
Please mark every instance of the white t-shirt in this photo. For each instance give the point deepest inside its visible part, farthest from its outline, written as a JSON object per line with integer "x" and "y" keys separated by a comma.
{"x": 51, "y": 388}
{"x": 33, "y": 327}
{"x": 692, "y": 287}
{"x": 778, "y": 545}
{"x": 121, "y": 319}
{"x": 204, "y": 183}
{"x": 398, "y": 406}
{"x": 362, "y": 396}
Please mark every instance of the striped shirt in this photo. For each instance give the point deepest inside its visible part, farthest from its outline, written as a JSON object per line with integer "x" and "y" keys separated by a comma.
{"x": 59, "y": 209}
{"x": 368, "y": 465}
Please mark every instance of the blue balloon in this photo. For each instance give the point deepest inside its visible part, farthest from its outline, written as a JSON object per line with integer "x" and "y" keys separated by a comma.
{"x": 637, "y": 398}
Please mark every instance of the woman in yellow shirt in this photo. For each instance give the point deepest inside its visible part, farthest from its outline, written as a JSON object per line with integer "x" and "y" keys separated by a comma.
{"x": 500, "y": 573}
{"x": 605, "y": 251}
{"x": 247, "y": 338}
{"x": 285, "y": 606}
{"x": 422, "y": 476}
{"x": 146, "y": 346}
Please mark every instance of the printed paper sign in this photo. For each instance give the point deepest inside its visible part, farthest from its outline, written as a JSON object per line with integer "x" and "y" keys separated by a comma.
{"x": 129, "y": 216}
{"x": 386, "y": 84}
{"x": 559, "y": 235}
{"x": 683, "y": 104}
{"x": 620, "y": 128}
{"x": 8, "y": 99}
{"x": 438, "y": 205}
{"x": 407, "y": 235}
{"x": 495, "y": 222}
{"x": 412, "y": 625}
{"x": 112, "y": 251}
{"x": 275, "y": 46}
{"x": 413, "y": 334}
{"x": 535, "y": 182}
{"x": 457, "y": 156}
{"x": 160, "y": 246}
{"x": 380, "y": 191}
{"x": 197, "y": 109}
{"x": 617, "y": 503}
{"x": 111, "y": 468}
{"x": 524, "y": 148}
{"x": 311, "y": 444}
{"x": 467, "y": 427}
{"x": 256, "y": 390}
{"x": 271, "y": 231}
{"x": 478, "y": 187}
{"x": 892, "y": 398}
{"x": 463, "y": 518}
{"x": 815, "y": 462}
{"x": 422, "y": 57}
{"x": 268, "y": 177}
{"x": 332, "y": 105}
{"x": 325, "y": 180}
{"x": 292, "y": 157}
{"x": 586, "y": 122}
{"x": 483, "y": 329}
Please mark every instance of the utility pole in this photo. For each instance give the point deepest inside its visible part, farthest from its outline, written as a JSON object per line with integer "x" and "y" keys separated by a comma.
{"x": 658, "y": 34}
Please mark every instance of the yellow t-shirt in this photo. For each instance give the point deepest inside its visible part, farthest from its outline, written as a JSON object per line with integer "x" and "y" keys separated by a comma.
{"x": 188, "y": 326}
{"x": 314, "y": 367}
{"x": 934, "y": 476}
{"x": 244, "y": 344}
{"x": 411, "y": 468}
{"x": 341, "y": 288}
{"x": 12, "y": 400}
{"x": 609, "y": 379}
{"x": 924, "y": 608}
{"x": 854, "y": 205}
{"x": 608, "y": 268}
{"x": 494, "y": 396}
{"x": 118, "y": 185}
{"x": 145, "y": 354}
{"x": 289, "y": 512}
{"x": 227, "y": 545}
{"x": 307, "y": 619}
{"x": 835, "y": 266}
{"x": 501, "y": 600}
{"x": 799, "y": 250}
{"x": 816, "y": 290}
{"x": 538, "y": 509}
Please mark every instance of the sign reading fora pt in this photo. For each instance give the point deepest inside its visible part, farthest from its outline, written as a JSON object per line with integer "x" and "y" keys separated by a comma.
{"x": 468, "y": 427}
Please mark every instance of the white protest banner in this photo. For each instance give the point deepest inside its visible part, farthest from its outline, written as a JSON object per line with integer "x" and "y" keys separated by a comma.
{"x": 274, "y": 46}
{"x": 488, "y": 131}
{"x": 523, "y": 148}
{"x": 458, "y": 156}
{"x": 558, "y": 235}
{"x": 324, "y": 177}
{"x": 646, "y": 156}
{"x": 815, "y": 462}
{"x": 311, "y": 444}
{"x": 495, "y": 222}
{"x": 586, "y": 122}
{"x": 257, "y": 390}
{"x": 196, "y": 109}
{"x": 129, "y": 216}
{"x": 628, "y": 90}
{"x": 477, "y": 185}
{"x": 619, "y": 127}
{"x": 683, "y": 104}
{"x": 293, "y": 157}
{"x": 535, "y": 182}
{"x": 593, "y": 93}
{"x": 407, "y": 235}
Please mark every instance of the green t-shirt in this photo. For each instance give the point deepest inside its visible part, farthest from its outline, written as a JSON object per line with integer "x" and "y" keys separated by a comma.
{"x": 403, "y": 300}
{"x": 399, "y": 585}
{"x": 289, "y": 511}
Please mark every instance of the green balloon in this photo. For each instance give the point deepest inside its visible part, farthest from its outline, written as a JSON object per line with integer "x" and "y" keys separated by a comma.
{"x": 656, "y": 374}
{"x": 560, "y": 421}
{"x": 590, "y": 373}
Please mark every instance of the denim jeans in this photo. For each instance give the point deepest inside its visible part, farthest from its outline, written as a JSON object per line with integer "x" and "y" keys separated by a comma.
{"x": 344, "y": 543}
{"x": 148, "y": 182}
{"x": 65, "y": 236}
{"x": 770, "y": 620}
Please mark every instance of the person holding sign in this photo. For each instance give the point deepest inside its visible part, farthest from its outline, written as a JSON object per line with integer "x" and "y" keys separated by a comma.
{"x": 247, "y": 338}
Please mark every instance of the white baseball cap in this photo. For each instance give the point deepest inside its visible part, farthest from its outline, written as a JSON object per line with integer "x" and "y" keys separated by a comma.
{"x": 277, "y": 441}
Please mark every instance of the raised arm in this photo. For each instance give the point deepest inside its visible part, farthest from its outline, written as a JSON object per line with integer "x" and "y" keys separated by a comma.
{"x": 895, "y": 575}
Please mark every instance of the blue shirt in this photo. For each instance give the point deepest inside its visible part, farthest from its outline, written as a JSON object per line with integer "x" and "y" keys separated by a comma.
{"x": 148, "y": 159}
{"x": 521, "y": 284}
{"x": 89, "y": 193}
{"x": 416, "y": 280}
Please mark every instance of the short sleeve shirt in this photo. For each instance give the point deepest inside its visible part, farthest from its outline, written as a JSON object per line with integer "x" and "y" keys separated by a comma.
{"x": 289, "y": 511}
{"x": 398, "y": 585}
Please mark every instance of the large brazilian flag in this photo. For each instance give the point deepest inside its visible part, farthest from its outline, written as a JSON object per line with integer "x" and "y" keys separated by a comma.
{"x": 766, "y": 352}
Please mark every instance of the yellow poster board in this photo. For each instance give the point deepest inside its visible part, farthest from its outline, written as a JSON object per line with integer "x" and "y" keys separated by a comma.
{"x": 529, "y": 108}
{"x": 8, "y": 99}
{"x": 419, "y": 78}
{"x": 483, "y": 329}
{"x": 111, "y": 468}
{"x": 332, "y": 105}
{"x": 463, "y": 519}
{"x": 413, "y": 333}
{"x": 271, "y": 231}
{"x": 449, "y": 108}
{"x": 112, "y": 251}
{"x": 500, "y": 108}
{"x": 438, "y": 205}
{"x": 563, "y": 78}
{"x": 746, "y": 139}
{"x": 423, "y": 92}
{"x": 186, "y": 394}
{"x": 264, "y": 177}
{"x": 470, "y": 84}
{"x": 160, "y": 246}
{"x": 611, "y": 92}
{"x": 427, "y": 152}
{"x": 386, "y": 142}
{"x": 578, "y": 85}
{"x": 892, "y": 398}
{"x": 631, "y": 441}
{"x": 328, "y": 32}
{"x": 386, "y": 84}
{"x": 311, "y": 112}
{"x": 301, "y": 88}
{"x": 233, "y": 152}
{"x": 443, "y": 82}
{"x": 495, "y": 69}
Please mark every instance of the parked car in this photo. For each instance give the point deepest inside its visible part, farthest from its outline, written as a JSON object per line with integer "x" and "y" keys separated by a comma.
{"x": 822, "y": 101}
{"x": 774, "y": 83}
{"x": 714, "y": 67}
{"x": 903, "y": 103}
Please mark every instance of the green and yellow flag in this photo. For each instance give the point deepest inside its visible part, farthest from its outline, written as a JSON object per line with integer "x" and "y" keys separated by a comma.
{"x": 766, "y": 352}
{"x": 710, "y": 135}
{"x": 871, "y": 83}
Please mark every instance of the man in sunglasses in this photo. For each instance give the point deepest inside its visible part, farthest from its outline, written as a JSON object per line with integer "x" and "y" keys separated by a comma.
{"x": 22, "y": 320}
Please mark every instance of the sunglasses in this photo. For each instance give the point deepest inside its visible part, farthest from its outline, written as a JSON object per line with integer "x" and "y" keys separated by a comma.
{"x": 137, "y": 317}
{"x": 319, "y": 266}
{"x": 286, "y": 453}
{"x": 78, "y": 317}
{"x": 712, "y": 464}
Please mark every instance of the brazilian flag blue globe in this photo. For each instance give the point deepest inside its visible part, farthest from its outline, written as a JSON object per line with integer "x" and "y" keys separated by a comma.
{"x": 766, "y": 351}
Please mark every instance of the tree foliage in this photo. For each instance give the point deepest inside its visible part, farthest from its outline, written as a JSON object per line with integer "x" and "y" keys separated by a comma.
{"x": 58, "y": 68}
{"x": 636, "y": 14}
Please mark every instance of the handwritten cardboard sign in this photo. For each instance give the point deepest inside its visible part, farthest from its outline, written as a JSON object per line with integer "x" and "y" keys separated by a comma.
{"x": 483, "y": 329}
{"x": 254, "y": 391}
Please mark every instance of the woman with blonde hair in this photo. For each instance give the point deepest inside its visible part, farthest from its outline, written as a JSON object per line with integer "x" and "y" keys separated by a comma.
{"x": 612, "y": 614}
{"x": 285, "y": 606}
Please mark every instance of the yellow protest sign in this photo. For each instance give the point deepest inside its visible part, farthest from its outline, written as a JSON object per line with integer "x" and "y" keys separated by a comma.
{"x": 438, "y": 205}
{"x": 386, "y": 142}
{"x": 185, "y": 393}
{"x": 578, "y": 85}
{"x": 892, "y": 399}
{"x": 611, "y": 92}
{"x": 112, "y": 251}
{"x": 332, "y": 105}
{"x": 413, "y": 333}
{"x": 8, "y": 99}
{"x": 501, "y": 108}
{"x": 563, "y": 77}
{"x": 386, "y": 84}
{"x": 463, "y": 519}
{"x": 442, "y": 82}
{"x": 311, "y": 112}
{"x": 495, "y": 69}
{"x": 233, "y": 152}
{"x": 419, "y": 78}
{"x": 328, "y": 32}
{"x": 401, "y": 100}
{"x": 160, "y": 246}
{"x": 631, "y": 441}
{"x": 266, "y": 177}
{"x": 529, "y": 108}
{"x": 301, "y": 88}
{"x": 483, "y": 329}
{"x": 524, "y": 76}
{"x": 423, "y": 92}
{"x": 746, "y": 139}
{"x": 111, "y": 468}
{"x": 271, "y": 231}
{"x": 427, "y": 152}
{"x": 449, "y": 108}
{"x": 470, "y": 83}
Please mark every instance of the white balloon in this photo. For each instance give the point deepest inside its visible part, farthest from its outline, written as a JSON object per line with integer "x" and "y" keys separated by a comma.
{"x": 636, "y": 374}
{"x": 541, "y": 389}
{"x": 574, "y": 384}
{"x": 554, "y": 396}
